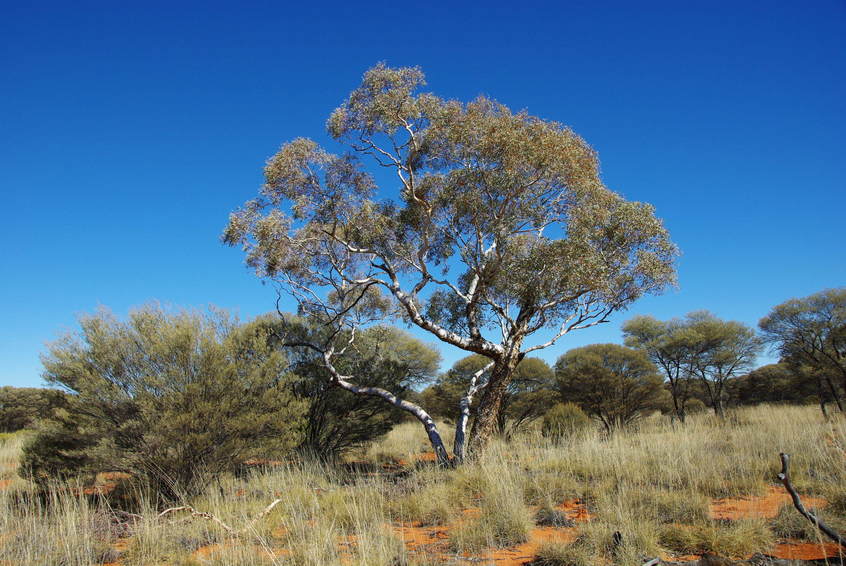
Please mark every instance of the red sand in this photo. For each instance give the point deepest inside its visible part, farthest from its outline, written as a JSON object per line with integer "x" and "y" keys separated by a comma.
{"x": 795, "y": 550}
{"x": 763, "y": 506}
{"x": 434, "y": 540}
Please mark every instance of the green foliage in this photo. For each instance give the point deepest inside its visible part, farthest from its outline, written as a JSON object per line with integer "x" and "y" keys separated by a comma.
{"x": 722, "y": 350}
{"x": 20, "y": 407}
{"x": 811, "y": 332}
{"x": 527, "y": 397}
{"x": 171, "y": 398}
{"x": 612, "y": 383}
{"x": 776, "y": 383}
{"x": 670, "y": 345}
{"x": 564, "y": 420}
{"x": 338, "y": 420}
{"x": 503, "y": 226}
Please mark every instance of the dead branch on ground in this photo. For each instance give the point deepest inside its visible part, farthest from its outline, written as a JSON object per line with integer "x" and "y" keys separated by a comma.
{"x": 784, "y": 477}
{"x": 210, "y": 517}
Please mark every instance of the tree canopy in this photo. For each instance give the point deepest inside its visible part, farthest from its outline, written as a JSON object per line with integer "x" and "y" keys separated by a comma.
{"x": 501, "y": 226}
{"x": 811, "y": 331}
{"x": 612, "y": 383}
{"x": 21, "y": 407}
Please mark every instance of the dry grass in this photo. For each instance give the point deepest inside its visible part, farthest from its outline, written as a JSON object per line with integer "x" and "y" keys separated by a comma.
{"x": 651, "y": 484}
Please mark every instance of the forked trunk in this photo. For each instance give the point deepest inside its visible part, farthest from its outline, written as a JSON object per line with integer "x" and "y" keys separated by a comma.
{"x": 486, "y": 423}
{"x": 459, "y": 446}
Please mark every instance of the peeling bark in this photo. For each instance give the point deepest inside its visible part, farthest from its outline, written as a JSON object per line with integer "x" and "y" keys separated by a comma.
{"x": 485, "y": 425}
{"x": 464, "y": 413}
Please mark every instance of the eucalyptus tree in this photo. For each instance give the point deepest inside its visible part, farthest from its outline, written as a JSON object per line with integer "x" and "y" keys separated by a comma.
{"x": 811, "y": 331}
{"x": 499, "y": 228}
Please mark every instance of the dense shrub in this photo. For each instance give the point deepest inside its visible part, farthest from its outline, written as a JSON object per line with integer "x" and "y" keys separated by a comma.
{"x": 167, "y": 397}
{"x": 20, "y": 407}
{"x": 564, "y": 420}
{"x": 612, "y": 383}
{"x": 339, "y": 420}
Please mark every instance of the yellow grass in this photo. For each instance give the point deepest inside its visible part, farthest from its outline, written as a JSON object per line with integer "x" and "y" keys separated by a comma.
{"x": 652, "y": 484}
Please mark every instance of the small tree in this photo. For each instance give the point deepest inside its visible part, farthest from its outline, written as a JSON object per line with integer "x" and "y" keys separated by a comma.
{"x": 812, "y": 332}
{"x": 671, "y": 347}
{"x": 170, "y": 397}
{"x": 721, "y": 350}
{"x": 612, "y": 383}
{"x": 501, "y": 227}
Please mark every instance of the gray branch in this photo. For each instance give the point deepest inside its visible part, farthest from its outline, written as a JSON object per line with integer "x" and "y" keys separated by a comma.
{"x": 784, "y": 477}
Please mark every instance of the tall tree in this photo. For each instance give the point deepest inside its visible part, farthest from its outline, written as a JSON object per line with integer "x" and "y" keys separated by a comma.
{"x": 612, "y": 383}
{"x": 502, "y": 227}
{"x": 811, "y": 331}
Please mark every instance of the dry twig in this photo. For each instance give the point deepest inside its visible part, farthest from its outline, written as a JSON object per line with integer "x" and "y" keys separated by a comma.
{"x": 210, "y": 517}
{"x": 784, "y": 476}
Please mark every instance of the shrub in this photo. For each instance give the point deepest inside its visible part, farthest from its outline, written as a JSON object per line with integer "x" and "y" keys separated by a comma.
{"x": 564, "y": 420}
{"x": 612, "y": 383}
{"x": 21, "y": 407}
{"x": 169, "y": 398}
{"x": 339, "y": 420}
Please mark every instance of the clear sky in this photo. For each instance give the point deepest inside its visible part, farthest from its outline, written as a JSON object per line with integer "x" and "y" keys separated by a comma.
{"x": 128, "y": 131}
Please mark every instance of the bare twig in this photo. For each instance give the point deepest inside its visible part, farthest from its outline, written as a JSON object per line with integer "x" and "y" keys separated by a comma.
{"x": 210, "y": 517}
{"x": 784, "y": 477}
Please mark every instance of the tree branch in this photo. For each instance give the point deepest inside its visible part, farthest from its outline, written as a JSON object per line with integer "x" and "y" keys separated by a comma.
{"x": 784, "y": 477}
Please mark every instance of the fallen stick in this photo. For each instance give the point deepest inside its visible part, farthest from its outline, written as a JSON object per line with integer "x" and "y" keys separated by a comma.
{"x": 210, "y": 517}
{"x": 784, "y": 476}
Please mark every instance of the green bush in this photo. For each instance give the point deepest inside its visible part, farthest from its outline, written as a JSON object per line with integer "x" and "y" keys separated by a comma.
{"x": 172, "y": 399}
{"x": 564, "y": 420}
{"x": 21, "y": 407}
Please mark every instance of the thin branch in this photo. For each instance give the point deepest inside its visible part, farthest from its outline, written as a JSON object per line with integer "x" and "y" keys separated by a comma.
{"x": 210, "y": 517}
{"x": 784, "y": 477}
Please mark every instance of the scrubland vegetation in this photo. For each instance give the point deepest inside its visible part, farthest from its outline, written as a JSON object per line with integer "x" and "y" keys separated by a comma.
{"x": 328, "y": 436}
{"x": 654, "y": 484}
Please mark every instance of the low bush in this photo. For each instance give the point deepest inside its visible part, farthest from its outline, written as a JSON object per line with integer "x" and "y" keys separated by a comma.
{"x": 564, "y": 420}
{"x": 172, "y": 399}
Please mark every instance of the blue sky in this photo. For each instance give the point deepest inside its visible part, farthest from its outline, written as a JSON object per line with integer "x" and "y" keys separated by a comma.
{"x": 129, "y": 131}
